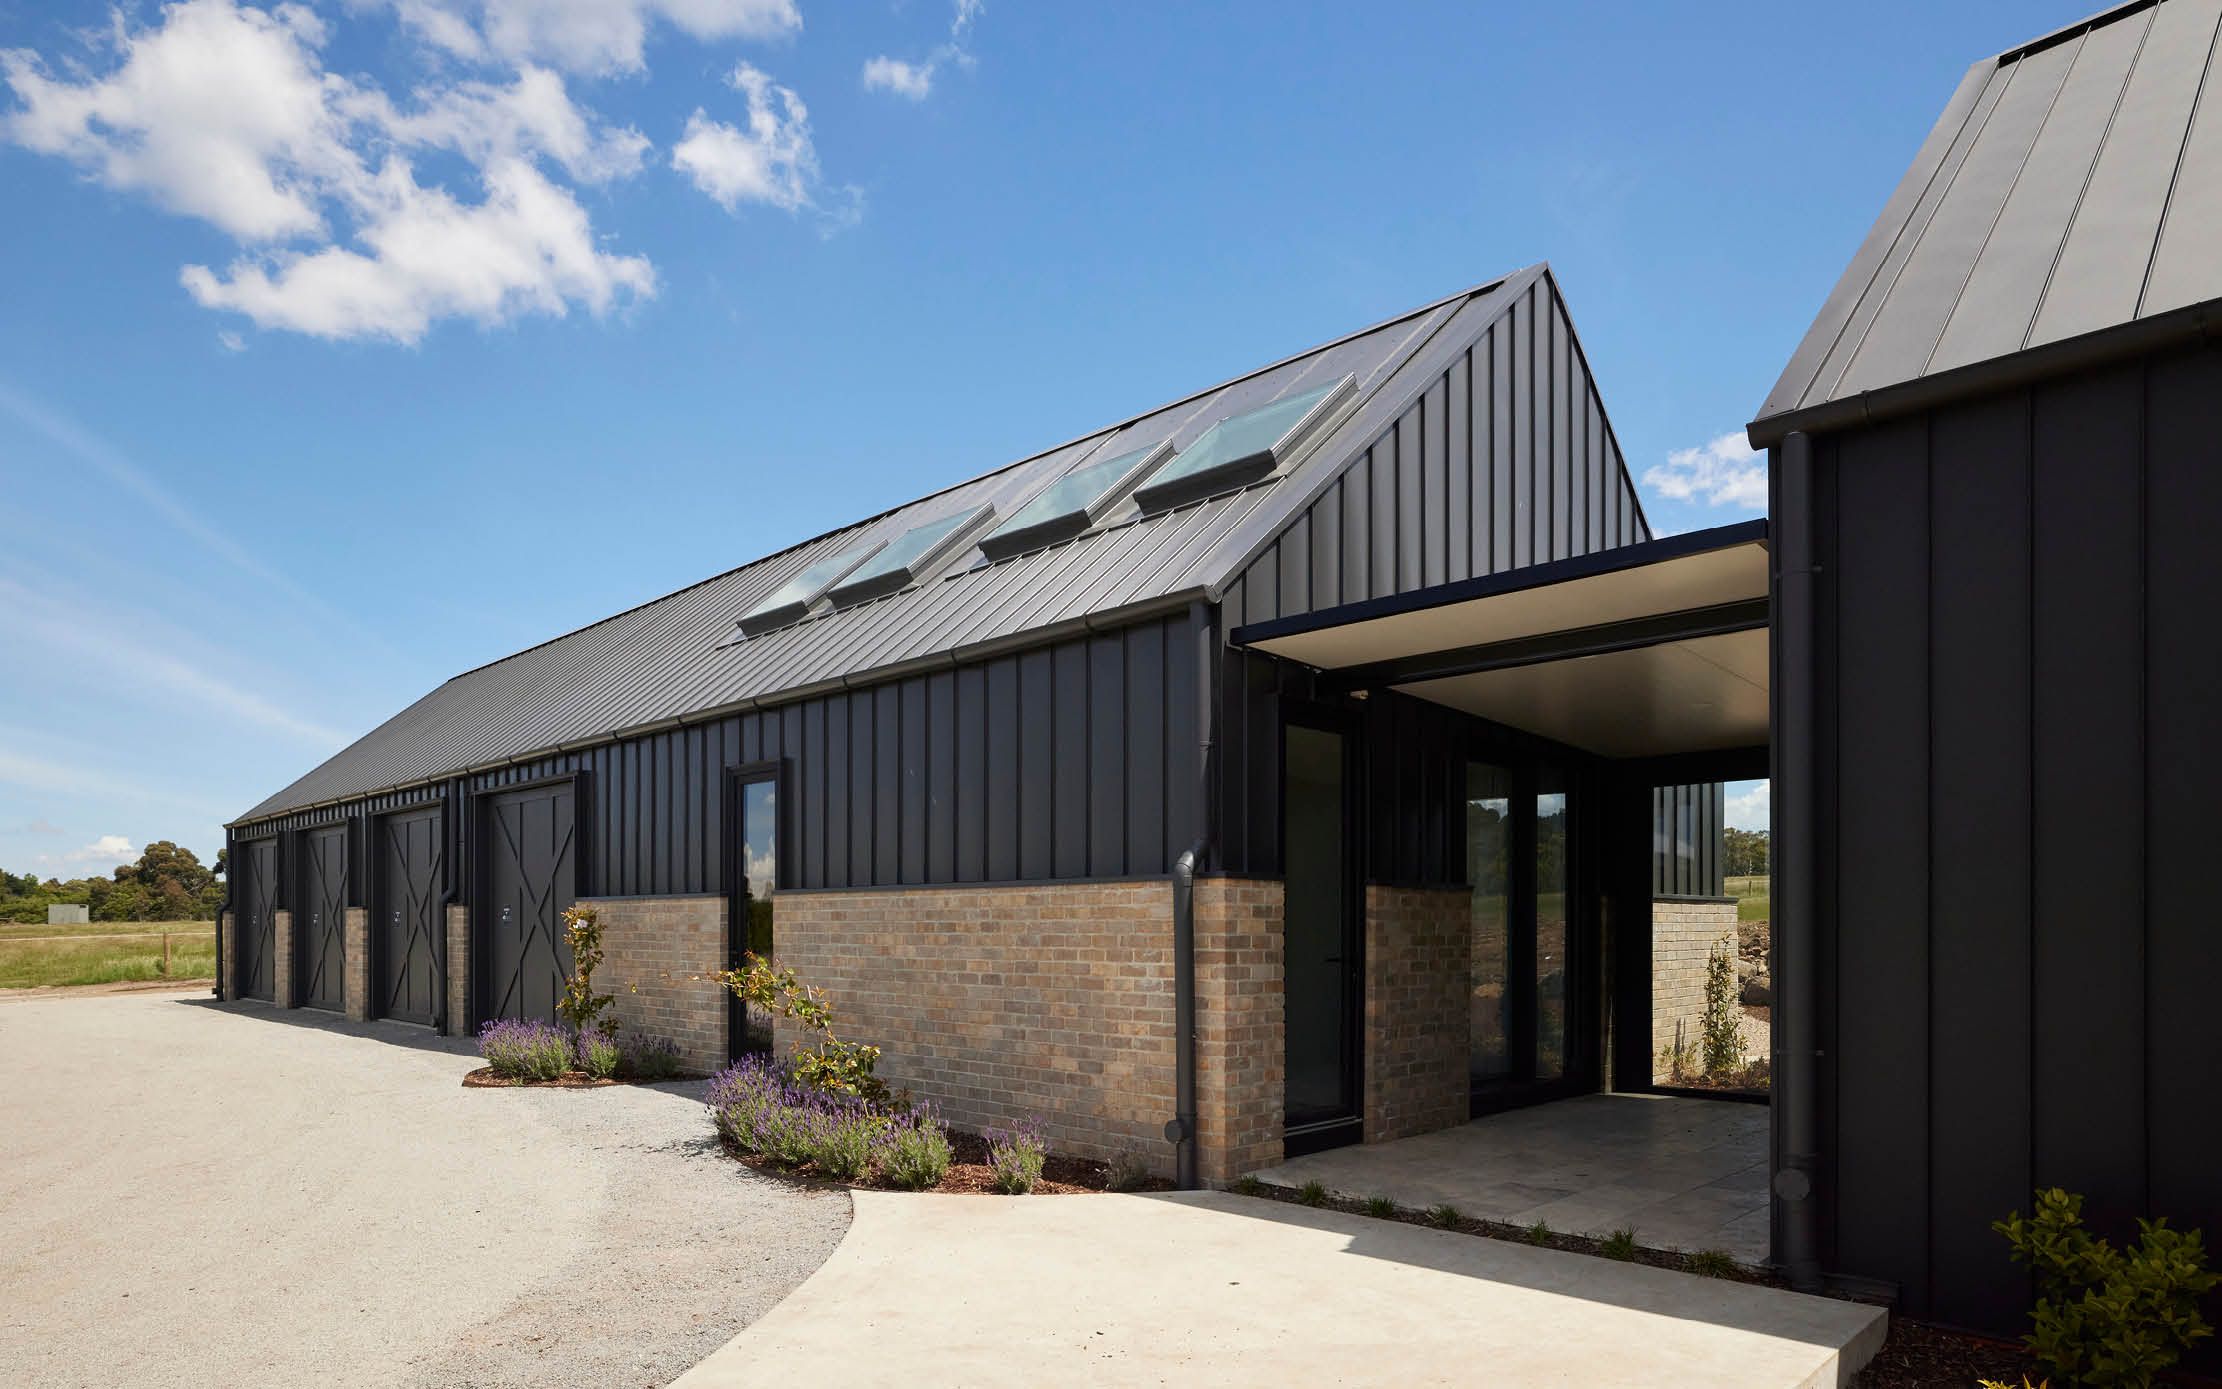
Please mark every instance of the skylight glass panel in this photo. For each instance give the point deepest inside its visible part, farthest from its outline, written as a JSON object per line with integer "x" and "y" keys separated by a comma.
{"x": 1240, "y": 449}
{"x": 1071, "y": 504}
{"x": 903, "y": 559}
{"x": 793, "y": 598}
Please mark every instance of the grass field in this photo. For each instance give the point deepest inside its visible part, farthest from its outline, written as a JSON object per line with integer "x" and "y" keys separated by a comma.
{"x": 1754, "y": 897}
{"x": 105, "y": 952}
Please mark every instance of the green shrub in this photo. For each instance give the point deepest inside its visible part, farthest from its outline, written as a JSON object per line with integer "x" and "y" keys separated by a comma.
{"x": 842, "y": 1144}
{"x": 1724, "y": 1019}
{"x": 1444, "y": 1217}
{"x": 1620, "y": 1244}
{"x": 599, "y": 1054}
{"x": 1312, "y": 1194}
{"x": 1248, "y": 1186}
{"x": 1016, "y": 1156}
{"x": 1539, "y": 1233}
{"x": 1380, "y": 1208}
{"x": 2107, "y": 1316}
{"x": 526, "y": 1049}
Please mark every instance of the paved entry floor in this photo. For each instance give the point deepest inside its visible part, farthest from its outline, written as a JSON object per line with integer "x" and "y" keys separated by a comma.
{"x": 1683, "y": 1174}
{"x": 1209, "y": 1288}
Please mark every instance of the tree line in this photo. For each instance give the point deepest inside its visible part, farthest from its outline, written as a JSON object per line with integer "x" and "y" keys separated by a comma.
{"x": 167, "y": 882}
{"x": 1744, "y": 852}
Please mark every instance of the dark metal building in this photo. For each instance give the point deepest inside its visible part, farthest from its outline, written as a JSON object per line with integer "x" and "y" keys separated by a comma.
{"x": 1996, "y": 492}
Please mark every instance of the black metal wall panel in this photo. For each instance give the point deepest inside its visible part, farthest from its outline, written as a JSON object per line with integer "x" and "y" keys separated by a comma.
{"x": 1506, "y": 460}
{"x": 1686, "y": 840}
{"x": 2019, "y": 666}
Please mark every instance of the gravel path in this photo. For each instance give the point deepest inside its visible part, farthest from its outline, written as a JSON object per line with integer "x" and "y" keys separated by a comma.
{"x": 229, "y": 1194}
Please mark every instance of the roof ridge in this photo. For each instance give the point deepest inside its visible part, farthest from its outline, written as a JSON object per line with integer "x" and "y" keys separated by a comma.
{"x": 1483, "y": 287}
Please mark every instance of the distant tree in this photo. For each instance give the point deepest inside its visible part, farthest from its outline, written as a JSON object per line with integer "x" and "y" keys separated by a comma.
{"x": 1746, "y": 852}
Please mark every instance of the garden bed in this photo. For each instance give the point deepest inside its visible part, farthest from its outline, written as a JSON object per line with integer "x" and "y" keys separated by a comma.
{"x": 487, "y": 1078}
{"x": 969, "y": 1173}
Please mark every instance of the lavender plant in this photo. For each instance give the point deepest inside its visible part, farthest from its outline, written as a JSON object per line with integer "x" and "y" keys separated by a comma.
{"x": 648, "y": 1058}
{"x": 1015, "y": 1157}
{"x": 525, "y": 1049}
{"x": 913, "y": 1150}
{"x": 600, "y": 1055}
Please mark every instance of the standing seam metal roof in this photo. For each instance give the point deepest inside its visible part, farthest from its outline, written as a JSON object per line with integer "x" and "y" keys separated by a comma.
{"x": 2071, "y": 186}
{"x": 663, "y": 661}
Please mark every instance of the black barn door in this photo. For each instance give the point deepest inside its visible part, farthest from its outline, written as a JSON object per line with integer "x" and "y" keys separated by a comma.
{"x": 531, "y": 877}
{"x": 319, "y": 922}
{"x": 255, "y": 936}
{"x": 405, "y": 916}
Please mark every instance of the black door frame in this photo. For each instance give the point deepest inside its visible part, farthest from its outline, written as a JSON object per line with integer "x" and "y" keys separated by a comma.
{"x": 481, "y": 871}
{"x": 1345, "y": 723}
{"x": 737, "y": 895}
{"x": 272, "y": 894}
{"x": 377, "y": 896}
{"x": 304, "y": 866}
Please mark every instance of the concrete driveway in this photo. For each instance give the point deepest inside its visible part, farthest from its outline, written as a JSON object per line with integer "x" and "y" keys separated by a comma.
{"x": 230, "y": 1194}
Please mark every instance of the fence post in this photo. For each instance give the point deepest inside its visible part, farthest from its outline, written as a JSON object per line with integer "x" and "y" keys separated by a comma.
{"x": 165, "y": 954}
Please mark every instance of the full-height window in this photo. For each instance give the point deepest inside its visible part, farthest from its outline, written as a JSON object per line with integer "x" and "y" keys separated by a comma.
{"x": 1553, "y": 885}
{"x": 756, "y": 871}
{"x": 1489, "y": 872}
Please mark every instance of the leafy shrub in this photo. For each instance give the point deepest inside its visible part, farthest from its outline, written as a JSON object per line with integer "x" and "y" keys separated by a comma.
{"x": 648, "y": 1058}
{"x": 600, "y": 1056}
{"x": 1015, "y": 1157}
{"x": 1620, "y": 1244}
{"x": 525, "y": 1049}
{"x": 828, "y": 1064}
{"x": 2107, "y": 1316}
{"x": 913, "y": 1150}
{"x": 580, "y": 1005}
{"x": 1724, "y": 1024}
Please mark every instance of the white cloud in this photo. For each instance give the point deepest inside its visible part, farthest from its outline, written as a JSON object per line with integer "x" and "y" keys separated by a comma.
{"x": 915, "y": 80}
{"x": 230, "y": 341}
{"x": 771, "y": 161}
{"x": 1727, "y": 471}
{"x": 586, "y": 36}
{"x": 105, "y": 852}
{"x": 1748, "y": 805}
{"x": 227, "y": 113}
{"x": 38, "y": 824}
{"x": 885, "y": 74}
{"x": 146, "y": 658}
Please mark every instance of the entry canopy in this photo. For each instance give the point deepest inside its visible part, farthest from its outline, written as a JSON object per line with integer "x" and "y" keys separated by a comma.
{"x": 1646, "y": 650}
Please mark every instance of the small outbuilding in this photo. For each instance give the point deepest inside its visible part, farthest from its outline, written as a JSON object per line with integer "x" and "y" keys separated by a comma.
{"x": 68, "y": 914}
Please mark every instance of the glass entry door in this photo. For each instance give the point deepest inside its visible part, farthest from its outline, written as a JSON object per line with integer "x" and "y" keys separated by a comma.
{"x": 1321, "y": 941}
{"x": 1526, "y": 945}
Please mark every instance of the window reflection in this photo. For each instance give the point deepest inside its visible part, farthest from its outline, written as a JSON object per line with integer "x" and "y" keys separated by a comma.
{"x": 1489, "y": 872}
{"x": 1551, "y": 887}
{"x": 760, "y": 869}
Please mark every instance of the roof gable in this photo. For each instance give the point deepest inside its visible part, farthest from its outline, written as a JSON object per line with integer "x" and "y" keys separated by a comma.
{"x": 2069, "y": 188}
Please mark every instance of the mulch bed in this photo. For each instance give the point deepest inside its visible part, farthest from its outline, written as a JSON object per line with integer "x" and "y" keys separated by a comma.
{"x": 1918, "y": 1357}
{"x": 968, "y": 1175}
{"x": 484, "y": 1078}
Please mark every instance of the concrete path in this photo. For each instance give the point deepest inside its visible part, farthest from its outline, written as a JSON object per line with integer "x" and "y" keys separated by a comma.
{"x": 1210, "y": 1288}
{"x": 1681, "y": 1173}
{"x": 194, "y": 1193}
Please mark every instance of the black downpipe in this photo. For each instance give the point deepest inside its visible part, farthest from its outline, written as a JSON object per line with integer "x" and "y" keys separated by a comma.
{"x": 231, "y": 880}
{"x": 1181, "y": 1132}
{"x": 1797, "y": 1044}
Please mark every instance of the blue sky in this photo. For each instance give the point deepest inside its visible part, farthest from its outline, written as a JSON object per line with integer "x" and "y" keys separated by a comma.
{"x": 348, "y": 347}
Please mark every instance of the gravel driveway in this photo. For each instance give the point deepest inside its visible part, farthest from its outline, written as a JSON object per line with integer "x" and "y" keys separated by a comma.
{"x": 229, "y": 1194}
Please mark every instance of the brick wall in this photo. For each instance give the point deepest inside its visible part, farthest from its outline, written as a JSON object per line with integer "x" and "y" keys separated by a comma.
{"x": 1241, "y": 1058}
{"x": 355, "y": 978}
{"x": 1000, "y": 1002}
{"x": 459, "y": 971}
{"x": 654, "y": 950}
{"x": 1418, "y": 970}
{"x": 1683, "y": 935}
{"x": 281, "y": 964}
{"x": 227, "y": 949}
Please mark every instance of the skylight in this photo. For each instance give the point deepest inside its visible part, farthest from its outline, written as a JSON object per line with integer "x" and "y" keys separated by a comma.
{"x": 793, "y": 598}
{"x": 1241, "y": 448}
{"x": 903, "y": 560}
{"x": 1072, "y": 503}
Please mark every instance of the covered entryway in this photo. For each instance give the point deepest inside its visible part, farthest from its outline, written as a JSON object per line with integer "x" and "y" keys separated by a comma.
{"x": 405, "y": 916}
{"x": 319, "y": 923}
{"x": 1593, "y": 682}
{"x": 255, "y": 939}
{"x": 530, "y": 857}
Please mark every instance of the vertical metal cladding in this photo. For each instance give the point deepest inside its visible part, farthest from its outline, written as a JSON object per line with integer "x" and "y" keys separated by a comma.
{"x": 1052, "y": 762}
{"x": 2018, "y": 673}
{"x": 1687, "y": 833}
{"x": 1506, "y": 459}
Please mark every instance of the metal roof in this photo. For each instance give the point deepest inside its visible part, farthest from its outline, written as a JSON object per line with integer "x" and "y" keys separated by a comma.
{"x": 671, "y": 660}
{"x": 2072, "y": 186}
